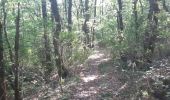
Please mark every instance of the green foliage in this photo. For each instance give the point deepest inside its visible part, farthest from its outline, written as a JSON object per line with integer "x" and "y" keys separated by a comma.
{"x": 67, "y": 37}
{"x": 79, "y": 54}
{"x": 73, "y": 51}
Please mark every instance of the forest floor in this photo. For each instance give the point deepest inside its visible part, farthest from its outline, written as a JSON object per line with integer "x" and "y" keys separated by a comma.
{"x": 97, "y": 78}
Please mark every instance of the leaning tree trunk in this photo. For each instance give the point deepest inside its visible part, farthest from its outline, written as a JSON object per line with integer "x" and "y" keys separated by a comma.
{"x": 62, "y": 71}
{"x": 65, "y": 7}
{"x": 85, "y": 27}
{"x": 70, "y": 23}
{"x": 141, "y": 6}
{"x": 2, "y": 70}
{"x": 11, "y": 56}
{"x": 82, "y": 10}
{"x": 94, "y": 23}
{"x": 70, "y": 15}
{"x": 5, "y": 34}
{"x": 165, "y": 6}
{"x": 135, "y": 14}
{"x": 119, "y": 16}
{"x": 101, "y": 10}
{"x": 54, "y": 8}
{"x": 16, "y": 65}
{"x": 48, "y": 64}
{"x": 152, "y": 32}
{"x": 101, "y": 14}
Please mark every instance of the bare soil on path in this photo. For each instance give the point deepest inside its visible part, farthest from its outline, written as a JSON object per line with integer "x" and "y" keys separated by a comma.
{"x": 95, "y": 79}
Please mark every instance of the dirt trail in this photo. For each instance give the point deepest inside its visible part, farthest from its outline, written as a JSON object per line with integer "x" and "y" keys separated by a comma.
{"x": 94, "y": 84}
{"x": 96, "y": 79}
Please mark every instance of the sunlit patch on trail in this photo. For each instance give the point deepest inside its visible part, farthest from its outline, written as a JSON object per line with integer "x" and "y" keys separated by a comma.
{"x": 96, "y": 56}
{"x": 87, "y": 93}
{"x": 89, "y": 78}
{"x": 106, "y": 59}
{"x": 96, "y": 51}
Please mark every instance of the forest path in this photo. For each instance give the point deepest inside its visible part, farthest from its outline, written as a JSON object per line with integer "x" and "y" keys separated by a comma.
{"x": 95, "y": 79}
{"x": 98, "y": 78}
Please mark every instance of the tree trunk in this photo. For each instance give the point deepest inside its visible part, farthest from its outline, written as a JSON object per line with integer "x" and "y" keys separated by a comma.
{"x": 101, "y": 15}
{"x": 48, "y": 64}
{"x": 17, "y": 36}
{"x": 141, "y": 6}
{"x": 62, "y": 71}
{"x": 152, "y": 32}
{"x": 164, "y": 6}
{"x": 94, "y": 23}
{"x": 135, "y": 13}
{"x": 119, "y": 16}
{"x": 65, "y": 8}
{"x": 6, "y": 36}
{"x": 70, "y": 15}
{"x": 2, "y": 70}
{"x": 101, "y": 10}
{"x": 11, "y": 56}
{"x": 82, "y": 10}
{"x": 85, "y": 26}
{"x": 57, "y": 31}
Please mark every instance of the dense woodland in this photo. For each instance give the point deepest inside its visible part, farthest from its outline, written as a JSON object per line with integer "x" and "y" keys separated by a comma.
{"x": 84, "y": 49}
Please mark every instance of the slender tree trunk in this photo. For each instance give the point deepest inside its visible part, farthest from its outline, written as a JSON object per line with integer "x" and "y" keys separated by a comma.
{"x": 101, "y": 15}
{"x": 11, "y": 56}
{"x": 62, "y": 71}
{"x": 135, "y": 13}
{"x": 164, "y": 6}
{"x": 82, "y": 10}
{"x": 141, "y": 6}
{"x": 56, "y": 40}
{"x": 77, "y": 7}
{"x": 70, "y": 15}
{"x": 85, "y": 26}
{"x": 101, "y": 10}
{"x": 6, "y": 36}
{"x": 17, "y": 36}
{"x": 2, "y": 70}
{"x": 151, "y": 33}
{"x": 119, "y": 16}
{"x": 65, "y": 7}
{"x": 95, "y": 3}
{"x": 94, "y": 23}
{"x": 70, "y": 23}
{"x": 48, "y": 64}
